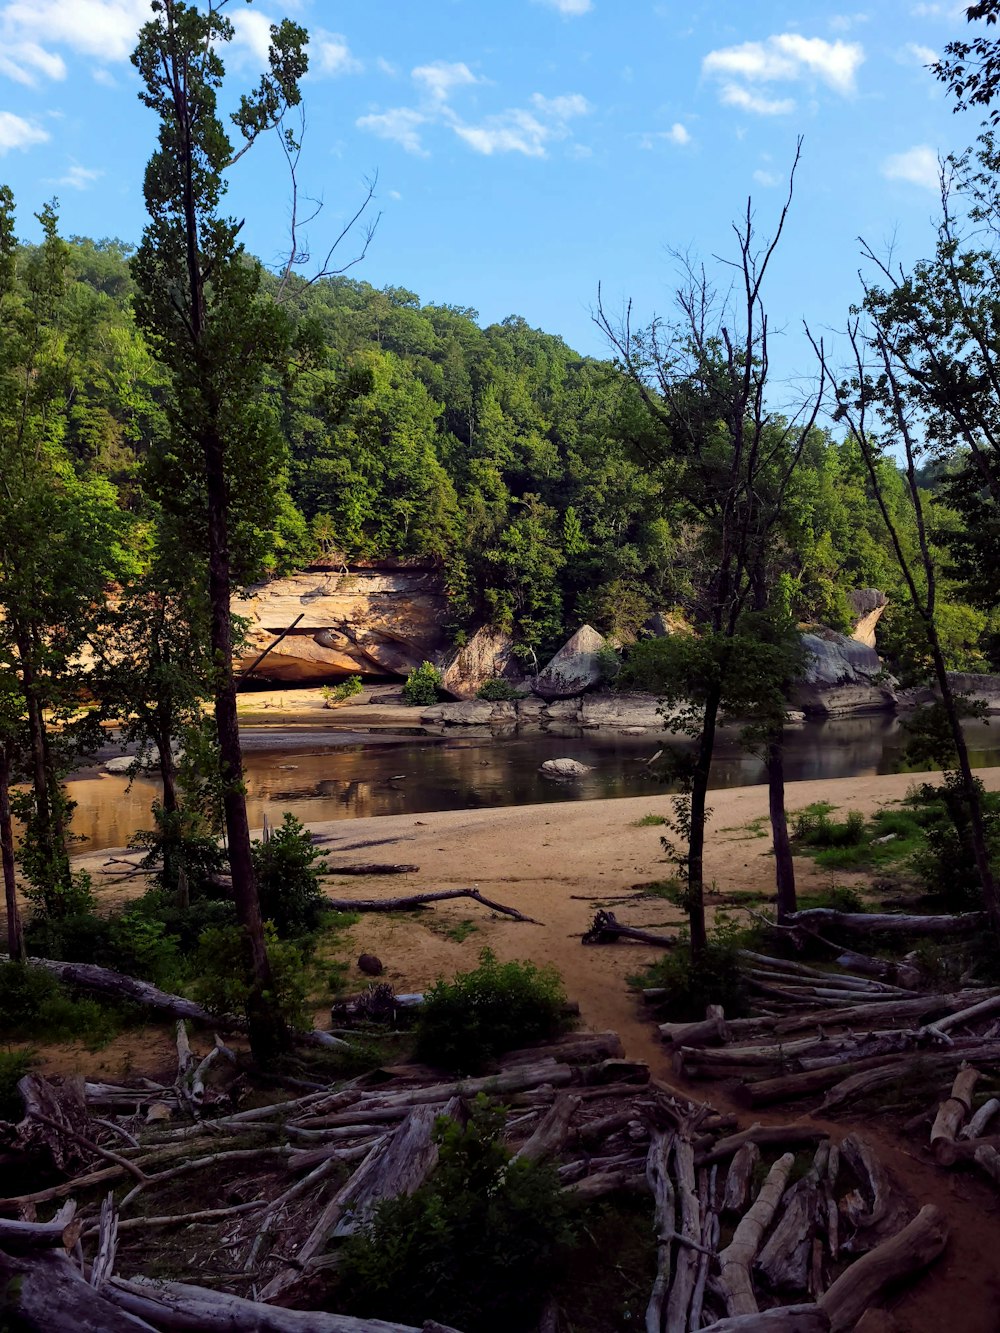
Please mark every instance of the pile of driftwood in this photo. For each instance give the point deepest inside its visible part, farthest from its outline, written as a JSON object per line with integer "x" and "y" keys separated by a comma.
{"x": 278, "y": 1185}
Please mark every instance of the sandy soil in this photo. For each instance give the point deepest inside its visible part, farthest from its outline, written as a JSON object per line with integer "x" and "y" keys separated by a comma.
{"x": 556, "y": 863}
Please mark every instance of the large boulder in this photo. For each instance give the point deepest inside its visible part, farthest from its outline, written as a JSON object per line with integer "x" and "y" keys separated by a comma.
{"x": 841, "y": 677}
{"x": 621, "y": 711}
{"x": 471, "y": 713}
{"x": 372, "y": 619}
{"x": 574, "y": 668}
{"x": 489, "y": 655}
{"x": 563, "y": 770}
{"x": 867, "y": 606}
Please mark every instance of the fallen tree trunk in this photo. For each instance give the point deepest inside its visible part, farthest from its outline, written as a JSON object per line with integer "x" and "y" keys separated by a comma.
{"x": 662, "y": 1189}
{"x": 607, "y": 929}
{"x": 785, "y": 1319}
{"x": 423, "y": 900}
{"x": 736, "y": 1259}
{"x": 371, "y": 868}
{"x": 951, "y": 1113}
{"x": 553, "y": 1131}
{"x": 44, "y": 1291}
{"x": 864, "y": 923}
{"x": 761, "y": 1134}
{"x": 177, "y": 1306}
{"x": 117, "y": 986}
{"x": 907, "y": 1253}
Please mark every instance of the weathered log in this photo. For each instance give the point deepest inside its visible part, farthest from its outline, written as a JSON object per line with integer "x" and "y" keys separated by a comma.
{"x": 689, "y": 1233}
{"x": 607, "y": 929}
{"x": 977, "y": 1125}
{"x": 982, "y": 1009}
{"x": 578, "y": 1048}
{"x": 736, "y": 1259}
{"x": 952, "y": 1112}
{"x": 785, "y": 1319}
{"x": 177, "y": 1306}
{"x": 553, "y": 1131}
{"x": 736, "y": 1195}
{"x": 603, "y": 1183}
{"x": 784, "y": 1261}
{"x": 661, "y": 1187}
{"x": 867, "y": 1080}
{"x": 920, "y": 1007}
{"x": 878, "y": 1210}
{"x": 988, "y": 1159}
{"x": 710, "y": 1230}
{"x": 22, "y": 1237}
{"x": 865, "y": 923}
{"x": 117, "y": 986}
{"x": 44, "y": 1291}
{"x": 413, "y": 900}
{"x": 55, "y": 1120}
{"x": 964, "y": 1150}
{"x": 707, "y": 1032}
{"x": 370, "y": 868}
{"x": 905, "y": 1254}
{"x": 761, "y": 1134}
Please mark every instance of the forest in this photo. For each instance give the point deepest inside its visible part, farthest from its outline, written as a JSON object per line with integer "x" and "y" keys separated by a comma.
{"x": 178, "y": 422}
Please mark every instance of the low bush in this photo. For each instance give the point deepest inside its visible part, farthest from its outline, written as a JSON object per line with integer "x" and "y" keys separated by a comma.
{"x": 945, "y": 862}
{"x": 339, "y": 694}
{"x": 466, "y": 1022}
{"x": 691, "y": 984}
{"x": 497, "y": 691}
{"x": 815, "y": 828}
{"x": 422, "y": 686}
{"x": 223, "y": 970}
{"x": 35, "y": 1005}
{"x": 288, "y": 879}
{"x": 13, "y": 1067}
{"x": 476, "y": 1247}
{"x": 838, "y": 897}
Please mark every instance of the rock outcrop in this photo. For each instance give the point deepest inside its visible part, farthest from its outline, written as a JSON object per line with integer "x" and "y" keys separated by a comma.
{"x": 574, "y": 668}
{"x": 371, "y": 619}
{"x": 867, "y": 606}
{"x": 563, "y": 770}
{"x": 982, "y": 689}
{"x": 470, "y": 713}
{"x": 489, "y": 655}
{"x": 841, "y": 677}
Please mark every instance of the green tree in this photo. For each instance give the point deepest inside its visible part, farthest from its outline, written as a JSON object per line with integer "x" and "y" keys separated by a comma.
{"x": 200, "y": 303}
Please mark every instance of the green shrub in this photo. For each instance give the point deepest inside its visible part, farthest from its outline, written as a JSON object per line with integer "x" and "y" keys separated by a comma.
{"x": 346, "y": 689}
{"x": 945, "y": 863}
{"x": 34, "y": 1005}
{"x": 421, "y": 687}
{"x": 476, "y": 1247}
{"x": 815, "y": 828}
{"x": 838, "y": 897}
{"x": 717, "y": 977}
{"x": 466, "y": 1022}
{"x": 288, "y": 879}
{"x": 223, "y": 974}
{"x": 497, "y": 691}
{"x": 13, "y": 1067}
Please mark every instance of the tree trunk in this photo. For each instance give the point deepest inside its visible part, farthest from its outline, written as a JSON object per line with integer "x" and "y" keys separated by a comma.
{"x": 268, "y": 1033}
{"x": 15, "y": 935}
{"x": 696, "y": 844}
{"x": 784, "y": 866}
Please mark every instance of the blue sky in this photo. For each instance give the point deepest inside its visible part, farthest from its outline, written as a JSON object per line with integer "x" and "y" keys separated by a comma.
{"x": 528, "y": 149}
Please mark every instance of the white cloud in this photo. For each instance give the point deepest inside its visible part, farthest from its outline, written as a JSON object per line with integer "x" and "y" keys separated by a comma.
{"x": 401, "y": 125}
{"x": 789, "y": 56}
{"x": 769, "y": 179}
{"x": 732, "y": 94}
{"x": 913, "y": 53}
{"x": 104, "y": 77}
{"x": 678, "y": 134}
{"x": 439, "y": 78}
{"x": 15, "y": 132}
{"x": 521, "y": 131}
{"x": 330, "y": 54}
{"x": 79, "y": 178}
{"x": 385, "y": 67}
{"x": 24, "y": 61}
{"x": 916, "y": 166}
{"x": 561, "y": 108}
{"x": 569, "y": 8}
{"x": 845, "y": 22}
{"x": 104, "y": 29}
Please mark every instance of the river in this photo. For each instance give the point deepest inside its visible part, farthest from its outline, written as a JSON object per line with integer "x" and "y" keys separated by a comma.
{"x": 329, "y": 774}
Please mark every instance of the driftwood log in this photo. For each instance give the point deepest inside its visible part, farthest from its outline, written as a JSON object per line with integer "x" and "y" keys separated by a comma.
{"x": 952, "y": 1113}
{"x": 738, "y": 1256}
{"x": 865, "y": 923}
{"x": 895, "y": 1260}
{"x": 607, "y": 929}
{"x": 785, "y": 1319}
{"x": 415, "y": 900}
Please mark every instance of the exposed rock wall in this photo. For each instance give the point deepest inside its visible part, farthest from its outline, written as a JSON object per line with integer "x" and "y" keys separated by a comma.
{"x": 371, "y": 619}
{"x": 842, "y": 677}
{"x": 867, "y": 606}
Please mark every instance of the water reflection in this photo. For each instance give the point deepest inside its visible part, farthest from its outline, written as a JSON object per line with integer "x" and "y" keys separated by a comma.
{"x": 481, "y": 771}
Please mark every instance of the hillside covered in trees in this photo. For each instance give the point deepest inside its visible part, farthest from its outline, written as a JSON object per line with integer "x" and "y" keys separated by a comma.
{"x": 531, "y": 473}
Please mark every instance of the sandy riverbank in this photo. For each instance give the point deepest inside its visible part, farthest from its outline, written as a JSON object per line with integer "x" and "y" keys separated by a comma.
{"x": 556, "y": 863}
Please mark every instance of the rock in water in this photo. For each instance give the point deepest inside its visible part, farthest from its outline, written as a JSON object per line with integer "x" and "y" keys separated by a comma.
{"x": 370, "y": 965}
{"x": 563, "y": 770}
{"x": 574, "y": 668}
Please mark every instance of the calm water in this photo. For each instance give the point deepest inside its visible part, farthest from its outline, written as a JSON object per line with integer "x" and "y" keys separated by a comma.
{"x": 318, "y": 778}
